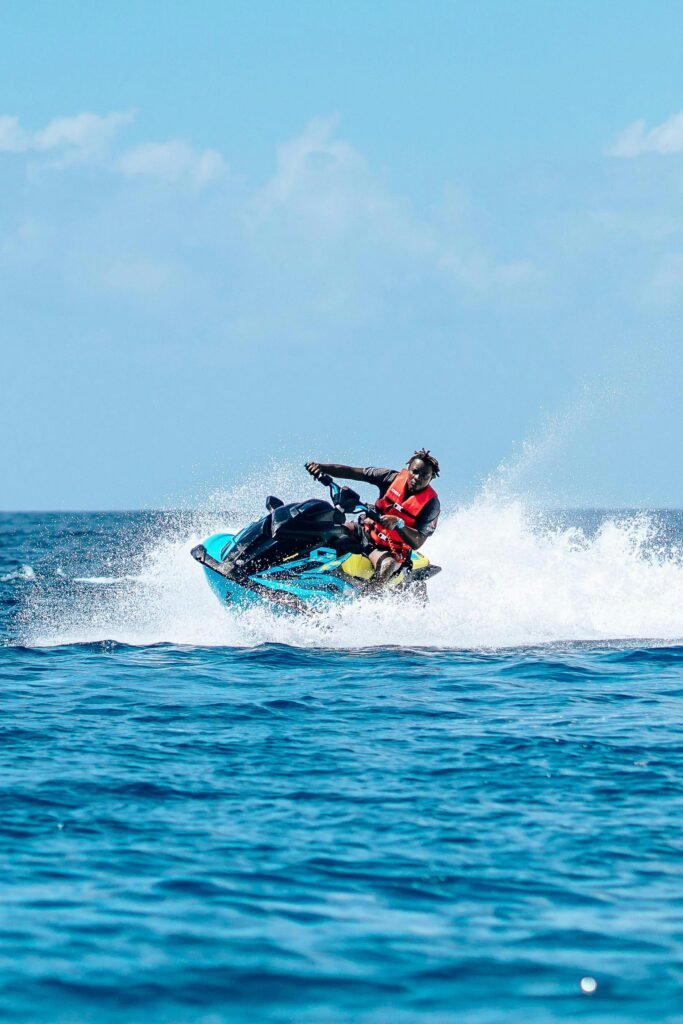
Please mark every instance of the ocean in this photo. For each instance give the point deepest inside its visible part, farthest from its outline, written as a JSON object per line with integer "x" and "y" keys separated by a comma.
{"x": 386, "y": 814}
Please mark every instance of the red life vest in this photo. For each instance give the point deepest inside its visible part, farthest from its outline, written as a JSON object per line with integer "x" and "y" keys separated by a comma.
{"x": 397, "y": 502}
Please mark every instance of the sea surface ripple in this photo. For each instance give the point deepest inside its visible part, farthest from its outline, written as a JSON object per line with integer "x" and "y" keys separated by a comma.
{"x": 322, "y": 831}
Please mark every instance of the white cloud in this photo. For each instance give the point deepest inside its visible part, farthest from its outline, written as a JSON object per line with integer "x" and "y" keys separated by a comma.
{"x": 325, "y": 237}
{"x": 326, "y": 206}
{"x": 81, "y": 137}
{"x": 320, "y": 181}
{"x": 324, "y": 193}
{"x": 324, "y": 190}
{"x": 75, "y": 139}
{"x": 85, "y": 137}
{"x": 309, "y": 157}
{"x": 173, "y": 161}
{"x": 664, "y": 138}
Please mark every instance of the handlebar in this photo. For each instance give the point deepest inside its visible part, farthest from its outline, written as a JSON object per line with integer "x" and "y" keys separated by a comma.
{"x": 336, "y": 494}
{"x": 370, "y": 512}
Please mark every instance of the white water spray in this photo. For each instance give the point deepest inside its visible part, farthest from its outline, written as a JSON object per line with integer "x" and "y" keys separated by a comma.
{"x": 509, "y": 578}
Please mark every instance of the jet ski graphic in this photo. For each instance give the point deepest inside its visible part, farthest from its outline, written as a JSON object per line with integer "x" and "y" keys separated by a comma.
{"x": 300, "y": 557}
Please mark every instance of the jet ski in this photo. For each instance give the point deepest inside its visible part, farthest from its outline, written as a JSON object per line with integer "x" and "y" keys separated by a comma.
{"x": 300, "y": 557}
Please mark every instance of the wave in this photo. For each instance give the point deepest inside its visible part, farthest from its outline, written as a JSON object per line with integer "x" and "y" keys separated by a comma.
{"x": 105, "y": 581}
{"x": 511, "y": 577}
{"x": 24, "y": 572}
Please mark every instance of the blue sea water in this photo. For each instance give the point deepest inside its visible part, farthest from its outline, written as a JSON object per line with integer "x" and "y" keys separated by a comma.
{"x": 470, "y": 813}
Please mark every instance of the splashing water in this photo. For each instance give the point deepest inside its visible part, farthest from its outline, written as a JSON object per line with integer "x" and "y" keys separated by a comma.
{"x": 510, "y": 578}
{"x": 24, "y": 572}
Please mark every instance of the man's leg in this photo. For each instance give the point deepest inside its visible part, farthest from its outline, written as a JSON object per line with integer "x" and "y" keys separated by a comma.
{"x": 350, "y": 540}
{"x": 385, "y": 565}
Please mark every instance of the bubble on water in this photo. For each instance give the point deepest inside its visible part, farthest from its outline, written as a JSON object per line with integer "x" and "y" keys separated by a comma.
{"x": 588, "y": 985}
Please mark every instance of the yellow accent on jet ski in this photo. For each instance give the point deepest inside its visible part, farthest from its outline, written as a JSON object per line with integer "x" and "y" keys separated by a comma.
{"x": 358, "y": 566}
{"x": 361, "y": 568}
{"x": 331, "y": 565}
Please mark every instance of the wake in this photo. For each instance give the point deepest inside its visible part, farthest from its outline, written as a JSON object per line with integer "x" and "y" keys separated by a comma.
{"x": 511, "y": 577}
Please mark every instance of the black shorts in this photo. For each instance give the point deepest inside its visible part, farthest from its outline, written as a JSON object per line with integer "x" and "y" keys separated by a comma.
{"x": 360, "y": 541}
{"x": 366, "y": 544}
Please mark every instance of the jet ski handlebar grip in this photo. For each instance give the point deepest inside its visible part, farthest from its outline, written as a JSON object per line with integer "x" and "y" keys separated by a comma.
{"x": 371, "y": 513}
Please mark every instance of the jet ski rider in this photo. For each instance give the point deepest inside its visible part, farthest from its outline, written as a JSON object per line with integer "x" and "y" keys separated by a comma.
{"x": 408, "y": 503}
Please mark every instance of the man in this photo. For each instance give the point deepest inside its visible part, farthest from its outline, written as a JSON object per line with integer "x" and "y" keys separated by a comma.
{"x": 408, "y": 504}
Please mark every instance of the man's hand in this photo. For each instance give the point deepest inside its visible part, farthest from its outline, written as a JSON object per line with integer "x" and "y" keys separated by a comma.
{"x": 314, "y": 469}
{"x": 389, "y": 522}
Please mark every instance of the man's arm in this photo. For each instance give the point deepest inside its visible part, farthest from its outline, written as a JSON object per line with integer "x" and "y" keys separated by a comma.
{"x": 424, "y": 527}
{"x": 406, "y": 533}
{"x": 335, "y": 469}
{"x": 369, "y": 475}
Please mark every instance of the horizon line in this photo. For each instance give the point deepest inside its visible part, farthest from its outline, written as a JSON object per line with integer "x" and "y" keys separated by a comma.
{"x": 151, "y": 510}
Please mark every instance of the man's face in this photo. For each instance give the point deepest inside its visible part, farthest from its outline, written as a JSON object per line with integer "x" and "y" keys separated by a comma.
{"x": 419, "y": 475}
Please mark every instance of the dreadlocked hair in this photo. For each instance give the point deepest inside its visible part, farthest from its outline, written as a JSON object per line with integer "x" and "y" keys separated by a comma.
{"x": 426, "y": 456}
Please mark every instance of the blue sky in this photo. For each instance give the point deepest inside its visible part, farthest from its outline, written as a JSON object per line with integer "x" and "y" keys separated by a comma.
{"x": 232, "y": 232}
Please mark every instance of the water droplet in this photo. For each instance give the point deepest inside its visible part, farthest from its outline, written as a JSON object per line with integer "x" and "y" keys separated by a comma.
{"x": 588, "y": 985}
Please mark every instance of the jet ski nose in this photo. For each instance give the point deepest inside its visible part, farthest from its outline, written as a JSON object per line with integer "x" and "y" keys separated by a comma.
{"x": 199, "y": 553}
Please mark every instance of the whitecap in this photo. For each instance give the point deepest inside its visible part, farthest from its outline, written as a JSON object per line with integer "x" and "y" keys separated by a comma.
{"x": 24, "y": 572}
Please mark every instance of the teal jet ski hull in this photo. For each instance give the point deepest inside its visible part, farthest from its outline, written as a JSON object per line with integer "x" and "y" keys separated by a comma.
{"x": 312, "y": 580}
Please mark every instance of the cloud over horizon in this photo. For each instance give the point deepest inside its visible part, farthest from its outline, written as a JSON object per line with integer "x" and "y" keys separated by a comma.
{"x": 89, "y": 138}
{"x": 324, "y": 240}
{"x": 173, "y": 161}
{"x": 74, "y": 139}
{"x": 664, "y": 139}
{"x": 325, "y": 232}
